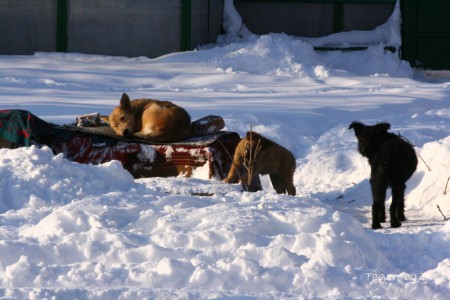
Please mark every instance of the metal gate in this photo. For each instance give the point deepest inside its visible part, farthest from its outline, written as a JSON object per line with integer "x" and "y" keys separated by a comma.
{"x": 426, "y": 33}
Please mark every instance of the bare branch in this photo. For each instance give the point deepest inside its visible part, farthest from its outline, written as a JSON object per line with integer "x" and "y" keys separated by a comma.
{"x": 399, "y": 134}
{"x": 249, "y": 162}
{"x": 424, "y": 162}
{"x": 445, "y": 190}
{"x": 231, "y": 158}
{"x": 445, "y": 218}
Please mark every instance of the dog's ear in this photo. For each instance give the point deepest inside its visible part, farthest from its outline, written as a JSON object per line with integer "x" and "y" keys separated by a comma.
{"x": 125, "y": 102}
{"x": 357, "y": 127}
{"x": 262, "y": 141}
{"x": 383, "y": 126}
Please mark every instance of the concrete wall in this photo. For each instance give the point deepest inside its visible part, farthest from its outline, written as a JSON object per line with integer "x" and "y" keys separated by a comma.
{"x": 117, "y": 27}
{"x": 206, "y": 20}
{"x": 300, "y": 19}
{"x": 109, "y": 27}
{"x": 27, "y": 26}
{"x": 304, "y": 18}
{"x": 156, "y": 27}
{"x": 358, "y": 16}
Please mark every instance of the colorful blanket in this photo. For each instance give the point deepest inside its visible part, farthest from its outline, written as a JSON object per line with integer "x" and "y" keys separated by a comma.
{"x": 21, "y": 128}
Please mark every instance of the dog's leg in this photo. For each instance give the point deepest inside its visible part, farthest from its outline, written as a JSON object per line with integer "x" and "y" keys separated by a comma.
{"x": 232, "y": 175}
{"x": 379, "y": 195}
{"x": 254, "y": 186}
{"x": 283, "y": 184}
{"x": 291, "y": 188}
{"x": 397, "y": 209}
{"x": 289, "y": 184}
{"x": 277, "y": 183}
{"x": 401, "y": 205}
{"x": 383, "y": 211}
{"x": 401, "y": 210}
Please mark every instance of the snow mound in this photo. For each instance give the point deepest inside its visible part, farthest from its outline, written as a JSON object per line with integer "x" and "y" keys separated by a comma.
{"x": 333, "y": 161}
{"x": 430, "y": 186}
{"x": 33, "y": 177}
{"x": 386, "y": 34}
{"x": 234, "y": 241}
{"x": 375, "y": 61}
{"x": 272, "y": 54}
{"x": 202, "y": 237}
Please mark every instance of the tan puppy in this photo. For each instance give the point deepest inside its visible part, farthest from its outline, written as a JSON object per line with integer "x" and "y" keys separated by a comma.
{"x": 153, "y": 120}
{"x": 255, "y": 155}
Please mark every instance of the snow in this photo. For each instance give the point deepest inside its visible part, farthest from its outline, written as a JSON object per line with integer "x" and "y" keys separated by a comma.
{"x": 70, "y": 231}
{"x": 387, "y": 34}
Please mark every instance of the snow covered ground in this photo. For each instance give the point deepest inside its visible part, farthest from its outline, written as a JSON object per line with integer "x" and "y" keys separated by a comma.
{"x": 93, "y": 232}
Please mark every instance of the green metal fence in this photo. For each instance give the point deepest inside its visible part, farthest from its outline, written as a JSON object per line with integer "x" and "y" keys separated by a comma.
{"x": 312, "y": 18}
{"x": 110, "y": 27}
{"x": 426, "y": 33}
{"x": 153, "y": 27}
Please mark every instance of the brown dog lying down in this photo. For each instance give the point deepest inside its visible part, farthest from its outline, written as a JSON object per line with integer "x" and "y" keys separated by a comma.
{"x": 256, "y": 155}
{"x": 153, "y": 120}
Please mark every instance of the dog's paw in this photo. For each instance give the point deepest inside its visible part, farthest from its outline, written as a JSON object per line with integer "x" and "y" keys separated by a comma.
{"x": 376, "y": 226}
{"x": 395, "y": 224}
{"x": 230, "y": 180}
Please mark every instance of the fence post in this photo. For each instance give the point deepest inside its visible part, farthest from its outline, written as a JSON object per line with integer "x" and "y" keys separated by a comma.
{"x": 338, "y": 17}
{"x": 61, "y": 26}
{"x": 186, "y": 23}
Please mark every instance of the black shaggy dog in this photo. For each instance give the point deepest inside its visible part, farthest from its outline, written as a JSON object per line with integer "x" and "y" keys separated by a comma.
{"x": 392, "y": 161}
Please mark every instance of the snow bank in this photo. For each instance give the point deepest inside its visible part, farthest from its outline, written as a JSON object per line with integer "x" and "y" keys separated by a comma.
{"x": 287, "y": 56}
{"x": 232, "y": 24}
{"x": 91, "y": 234}
{"x": 33, "y": 177}
{"x": 282, "y": 56}
{"x": 332, "y": 161}
{"x": 431, "y": 186}
{"x": 376, "y": 61}
{"x": 294, "y": 56}
{"x": 387, "y": 34}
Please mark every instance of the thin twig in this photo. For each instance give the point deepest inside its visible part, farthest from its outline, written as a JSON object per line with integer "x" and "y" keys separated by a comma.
{"x": 232, "y": 160}
{"x": 445, "y": 190}
{"x": 405, "y": 138}
{"x": 399, "y": 134}
{"x": 445, "y": 218}
{"x": 251, "y": 157}
{"x": 424, "y": 162}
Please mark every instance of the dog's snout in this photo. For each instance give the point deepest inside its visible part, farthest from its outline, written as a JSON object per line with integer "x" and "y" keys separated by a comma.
{"x": 126, "y": 132}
